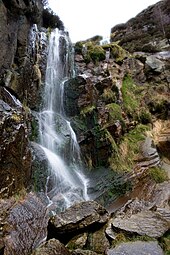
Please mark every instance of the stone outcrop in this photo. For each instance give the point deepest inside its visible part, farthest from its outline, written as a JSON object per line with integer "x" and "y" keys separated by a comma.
{"x": 24, "y": 52}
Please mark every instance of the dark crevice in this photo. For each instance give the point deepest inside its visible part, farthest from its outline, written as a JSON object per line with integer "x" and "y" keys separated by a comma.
{"x": 2, "y": 251}
{"x": 7, "y": 4}
{"x": 63, "y": 238}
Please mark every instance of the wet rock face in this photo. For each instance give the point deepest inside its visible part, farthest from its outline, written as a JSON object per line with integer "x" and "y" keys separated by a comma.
{"x": 24, "y": 225}
{"x": 39, "y": 168}
{"x": 14, "y": 19}
{"x": 15, "y": 154}
{"x": 85, "y": 103}
{"x": 23, "y": 54}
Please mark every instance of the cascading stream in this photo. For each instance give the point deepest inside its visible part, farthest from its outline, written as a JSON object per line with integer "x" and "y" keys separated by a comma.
{"x": 66, "y": 183}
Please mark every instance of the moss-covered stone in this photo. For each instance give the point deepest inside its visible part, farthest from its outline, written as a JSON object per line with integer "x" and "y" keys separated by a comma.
{"x": 116, "y": 52}
{"x": 95, "y": 53}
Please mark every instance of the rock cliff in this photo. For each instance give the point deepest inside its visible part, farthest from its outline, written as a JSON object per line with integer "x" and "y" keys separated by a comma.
{"x": 119, "y": 106}
{"x": 149, "y": 31}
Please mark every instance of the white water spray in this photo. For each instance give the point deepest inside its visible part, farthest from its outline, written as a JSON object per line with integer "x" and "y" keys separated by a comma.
{"x": 66, "y": 183}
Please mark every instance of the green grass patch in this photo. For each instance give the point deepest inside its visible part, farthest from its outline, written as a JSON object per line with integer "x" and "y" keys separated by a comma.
{"x": 87, "y": 109}
{"x": 129, "y": 149}
{"x": 158, "y": 174}
{"x": 115, "y": 113}
{"x": 131, "y": 101}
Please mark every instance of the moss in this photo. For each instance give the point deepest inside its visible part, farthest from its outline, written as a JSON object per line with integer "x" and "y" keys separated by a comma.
{"x": 94, "y": 53}
{"x": 116, "y": 51}
{"x": 16, "y": 118}
{"x": 48, "y": 33}
{"x": 78, "y": 47}
{"x": 158, "y": 174}
{"x": 87, "y": 109}
{"x": 120, "y": 238}
{"x": 165, "y": 243}
{"x": 97, "y": 53}
{"x": 123, "y": 237}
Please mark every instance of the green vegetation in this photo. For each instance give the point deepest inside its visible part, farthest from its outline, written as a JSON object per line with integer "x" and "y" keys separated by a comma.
{"x": 87, "y": 109}
{"x": 158, "y": 174}
{"x": 94, "y": 52}
{"x": 144, "y": 116}
{"x": 115, "y": 112}
{"x": 78, "y": 47}
{"x": 116, "y": 51}
{"x": 122, "y": 237}
{"x": 165, "y": 243}
{"x": 129, "y": 149}
{"x": 130, "y": 100}
{"x": 34, "y": 129}
{"x": 133, "y": 101}
{"x": 109, "y": 95}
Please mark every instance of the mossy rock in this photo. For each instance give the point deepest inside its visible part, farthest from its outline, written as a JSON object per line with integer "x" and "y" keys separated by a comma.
{"x": 78, "y": 47}
{"x": 116, "y": 52}
{"x": 94, "y": 53}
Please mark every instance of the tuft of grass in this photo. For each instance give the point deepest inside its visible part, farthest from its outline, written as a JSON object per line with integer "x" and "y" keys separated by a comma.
{"x": 130, "y": 100}
{"x": 87, "y": 109}
{"x": 129, "y": 149}
{"x": 158, "y": 174}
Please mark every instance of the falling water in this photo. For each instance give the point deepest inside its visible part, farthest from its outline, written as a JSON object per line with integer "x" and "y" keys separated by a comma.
{"x": 66, "y": 183}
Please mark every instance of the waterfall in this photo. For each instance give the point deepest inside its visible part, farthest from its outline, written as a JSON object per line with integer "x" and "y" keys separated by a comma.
{"x": 66, "y": 183}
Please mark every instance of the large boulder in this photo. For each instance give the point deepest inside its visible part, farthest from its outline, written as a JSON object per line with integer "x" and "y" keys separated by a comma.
{"x": 52, "y": 247}
{"x": 79, "y": 216}
{"x": 155, "y": 64}
{"x": 137, "y": 215}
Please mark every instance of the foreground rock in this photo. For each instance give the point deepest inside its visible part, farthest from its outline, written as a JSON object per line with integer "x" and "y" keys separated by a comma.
{"x": 142, "y": 218}
{"x": 52, "y": 247}
{"x": 84, "y": 252}
{"x": 24, "y": 225}
{"x": 133, "y": 248}
{"x": 79, "y": 216}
